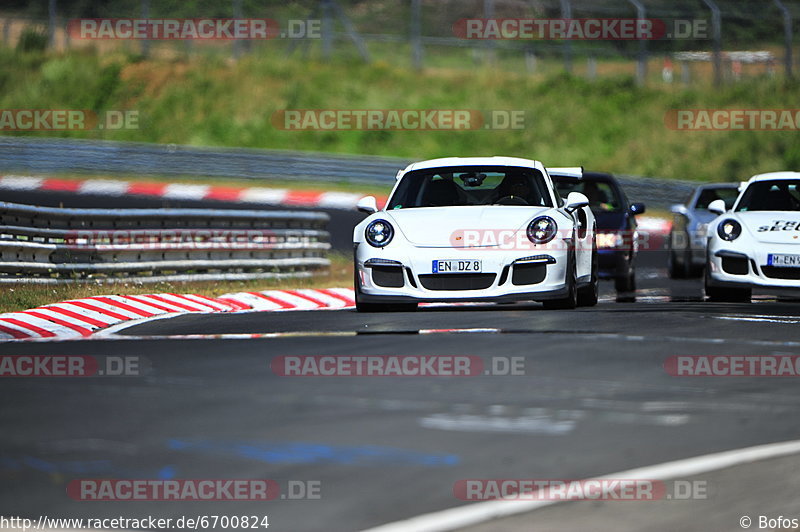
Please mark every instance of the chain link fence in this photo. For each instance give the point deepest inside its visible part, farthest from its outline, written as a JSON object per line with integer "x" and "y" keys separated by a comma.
{"x": 699, "y": 40}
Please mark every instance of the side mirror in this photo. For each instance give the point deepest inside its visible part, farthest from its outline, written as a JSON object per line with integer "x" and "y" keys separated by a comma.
{"x": 678, "y": 208}
{"x": 637, "y": 208}
{"x": 575, "y": 201}
{"x": 717, "y": 206}
{"x": 367, "y": 204}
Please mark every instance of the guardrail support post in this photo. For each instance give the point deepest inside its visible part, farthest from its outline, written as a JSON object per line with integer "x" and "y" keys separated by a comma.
{"x": 566, "y": 13}
{"x": 787, "y": 36}
{"x": 716, "y": 22}
{"x": 416, "y": 34}
{"x": 51, "y": 24}
{"x": 641, "y": 64}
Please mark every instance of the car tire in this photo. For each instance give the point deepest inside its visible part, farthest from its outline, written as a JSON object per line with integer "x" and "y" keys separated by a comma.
{"x": 678, "y": 263}
{"x": 570, "y": 301}
{"x": 725, "y": 294}
{"x": 626, "y": 283}
{"x": 589, "y": 294}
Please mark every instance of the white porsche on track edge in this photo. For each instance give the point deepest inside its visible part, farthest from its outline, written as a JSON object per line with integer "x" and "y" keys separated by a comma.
{"x": 756, "y": 244}
{"x": 487, "y": 229}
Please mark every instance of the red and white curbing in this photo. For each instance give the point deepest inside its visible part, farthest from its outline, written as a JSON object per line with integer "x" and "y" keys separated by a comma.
{"x": 256, "y": 195}
{"x": 83, "y": 317}
{"x": 184, "y": 191}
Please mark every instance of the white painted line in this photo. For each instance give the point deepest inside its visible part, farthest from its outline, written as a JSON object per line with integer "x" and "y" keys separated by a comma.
{"x": 482, "y": 512}
{"x": 179, "y": 191}
{"x": 104, "y": 186}
{"x": 338, "y": 200}
{"x": 268, "y": 196}
{"x": 15, "y": 182}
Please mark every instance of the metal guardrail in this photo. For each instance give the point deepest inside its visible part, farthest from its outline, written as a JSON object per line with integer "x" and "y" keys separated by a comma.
{"x": 35, "y": 155}
{"x": 50, "y": 245}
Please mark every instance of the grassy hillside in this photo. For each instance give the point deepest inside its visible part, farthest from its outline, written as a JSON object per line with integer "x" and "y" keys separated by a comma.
{"x": 608, "y": 124}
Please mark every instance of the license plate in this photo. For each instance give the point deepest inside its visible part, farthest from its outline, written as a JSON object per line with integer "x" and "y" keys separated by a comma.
{"x": 456, "y": 266}
{"x": 790, "y": 261}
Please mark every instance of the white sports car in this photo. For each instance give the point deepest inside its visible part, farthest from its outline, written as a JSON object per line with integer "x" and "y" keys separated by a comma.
{"x": 476, "y": 229}
{"x": 756, "y": 243}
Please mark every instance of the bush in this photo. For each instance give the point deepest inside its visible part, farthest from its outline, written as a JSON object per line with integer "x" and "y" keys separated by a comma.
{"x": 32, "y": 40}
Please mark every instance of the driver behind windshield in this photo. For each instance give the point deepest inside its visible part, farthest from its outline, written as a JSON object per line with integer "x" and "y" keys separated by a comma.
{"x": 515, "y": 187}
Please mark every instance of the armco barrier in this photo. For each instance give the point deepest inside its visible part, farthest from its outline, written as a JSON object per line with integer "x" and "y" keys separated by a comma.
{"x": 51, "y": 245}
{"x": 48, "y": 156}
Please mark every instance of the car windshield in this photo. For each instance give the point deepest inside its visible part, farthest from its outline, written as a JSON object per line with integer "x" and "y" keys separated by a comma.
{"x": 471, "y": 185}
{"x": 603, "y": 196}
{"x": 726, "y": 194}
{"x": 778, "y": 195}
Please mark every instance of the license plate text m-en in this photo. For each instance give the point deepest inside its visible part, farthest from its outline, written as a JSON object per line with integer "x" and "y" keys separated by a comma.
{"x": 790, "y": 261}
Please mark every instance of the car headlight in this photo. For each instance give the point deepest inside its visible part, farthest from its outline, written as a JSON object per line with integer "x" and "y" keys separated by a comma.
{"x": 542, "y": 230}
{"x": 729, "y": 229}
{"x": 610, "y": 240}
{"x": 379, "y": 233}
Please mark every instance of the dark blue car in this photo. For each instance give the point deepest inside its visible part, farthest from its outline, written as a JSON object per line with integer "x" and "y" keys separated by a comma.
{"x": 616, "y": 224}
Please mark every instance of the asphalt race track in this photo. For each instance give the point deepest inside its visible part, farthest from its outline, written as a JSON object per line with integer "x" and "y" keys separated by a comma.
{"x": 595, "y": 398}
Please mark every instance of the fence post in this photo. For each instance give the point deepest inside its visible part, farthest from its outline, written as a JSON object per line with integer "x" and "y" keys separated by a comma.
{"x": 145, "y": 15}
{"x": 7, "y": 32}
{"x": 685, "y": 72}
{"x": 716, "y": 21}
{"x": 787, "y": 35}
{"x": 51, "y": 23}
{"x": 641, "y": 65}
{"x": 488, "y": 12}
{"x": 327, "y": 29}
{"x": 566, "y": 13}
{"x": 237, "y": 14}
{"x": 416, "y": 33}
{"x": 530, "y": 61}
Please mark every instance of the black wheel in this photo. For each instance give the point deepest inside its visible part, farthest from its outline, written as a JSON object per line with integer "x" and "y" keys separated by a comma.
{"x": 725, "y": 294}
{"x": 679, "y": 262}
{"x": 570, "y": 301}
{"x": 588, "y": 295}
{"x": 627, "y": 282}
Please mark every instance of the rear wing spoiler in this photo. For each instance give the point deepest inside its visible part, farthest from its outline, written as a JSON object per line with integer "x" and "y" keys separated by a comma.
{"x": 568, "y": 171}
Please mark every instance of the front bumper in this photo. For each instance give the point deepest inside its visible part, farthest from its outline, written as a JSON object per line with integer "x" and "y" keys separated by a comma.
{"x": 740, "y": 266}
{"x": 406, "y": 275}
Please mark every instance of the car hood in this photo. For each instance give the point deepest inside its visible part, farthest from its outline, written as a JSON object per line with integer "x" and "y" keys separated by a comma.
{"x": 610, "y": 221}
{"x": 771, "y": 227}
{"x": 442, "y": 226}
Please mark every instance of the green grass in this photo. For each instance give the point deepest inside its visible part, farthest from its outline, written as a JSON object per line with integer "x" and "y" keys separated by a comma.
{"x": 609, "y": 124}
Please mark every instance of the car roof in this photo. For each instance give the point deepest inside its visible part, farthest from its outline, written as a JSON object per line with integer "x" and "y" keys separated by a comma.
{"x": 771, "y": 176}
{"x": 475, "y": 161}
